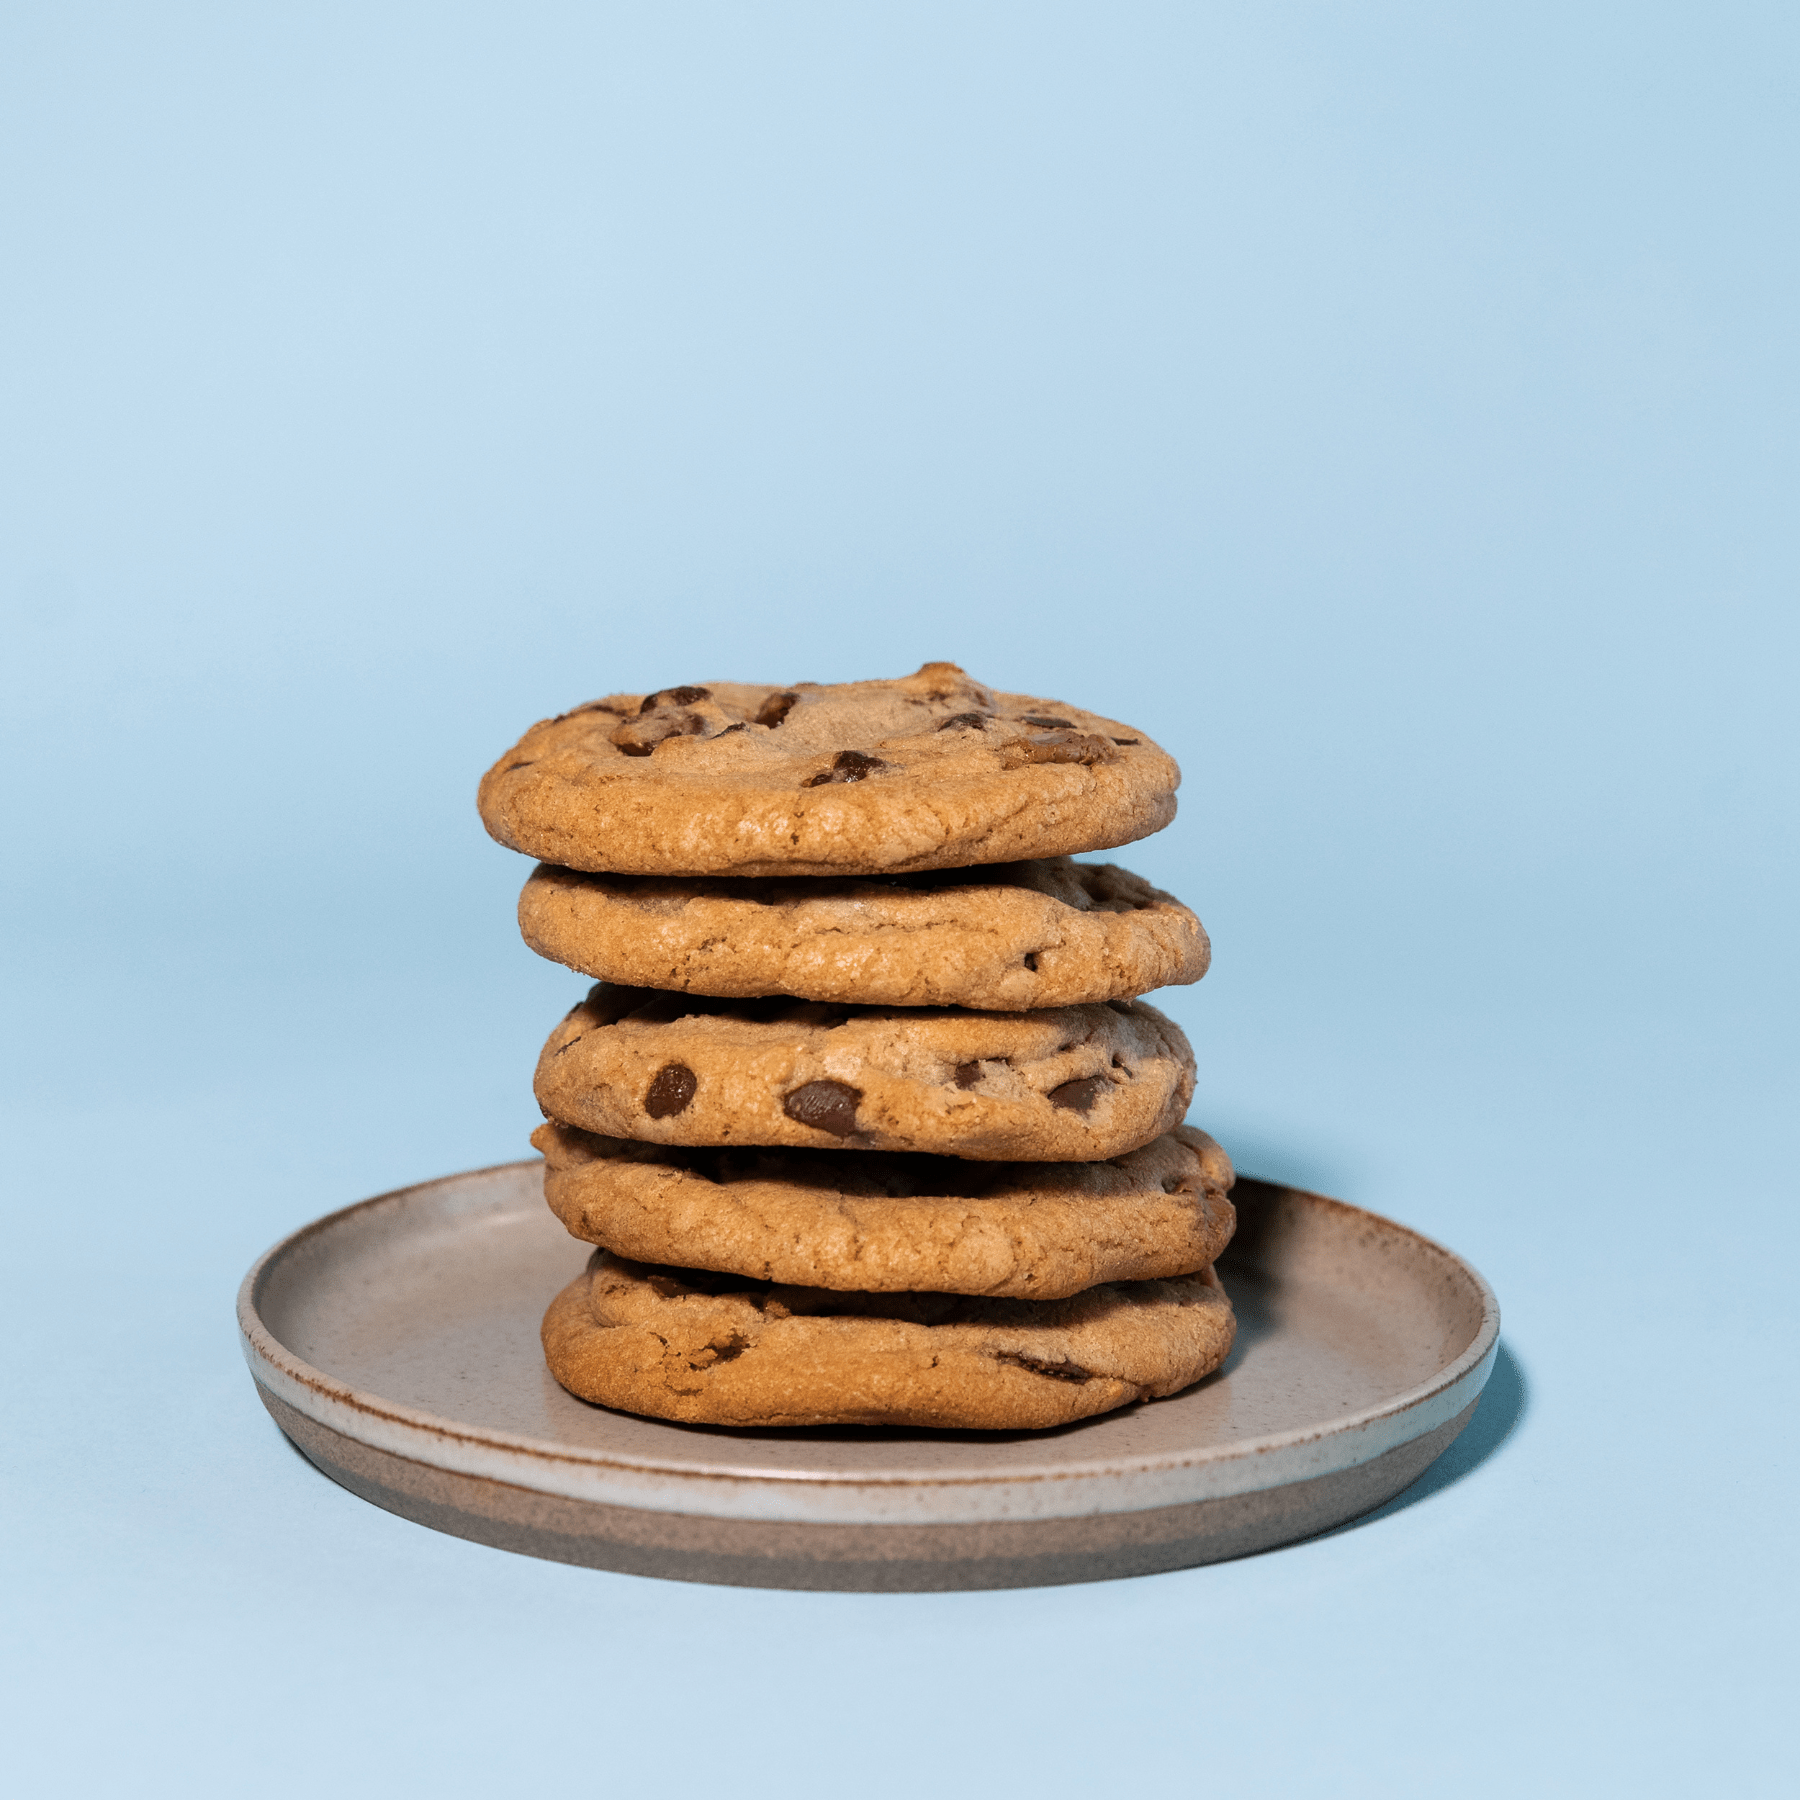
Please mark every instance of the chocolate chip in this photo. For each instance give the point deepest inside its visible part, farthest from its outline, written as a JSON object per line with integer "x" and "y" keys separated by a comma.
{"x": 825, "y": 1106}
{"x": 637, "y": 749}
{"x": 729, "y": 729}
{"x": 974, "y": 721}
{"x": 523, "y": 763}
{"x": 847, "y": 765}
{"x": 1127, "y": 740}
{"x": 671, "y": 1090}
{"x": 1079, "y": 1096}
{"x": 675, "y": 696}
{"x": 1031, "y": 957}
{"x": 967, "y": 1074}
{"x": 775, "y": 709}
{"x": 1048, "y": 724}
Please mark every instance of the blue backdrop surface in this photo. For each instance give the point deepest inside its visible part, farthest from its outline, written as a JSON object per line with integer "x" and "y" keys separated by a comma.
{"x": 1391, "y": 408}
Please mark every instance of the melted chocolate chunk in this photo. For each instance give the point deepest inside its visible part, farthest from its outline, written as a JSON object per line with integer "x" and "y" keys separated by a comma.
{"x": 1061, "y": 747}
{"x": 1079, "y": 1096}
{"x": 675, "y": 696}
{"x": 639, "y": 736}
{"x": 1047, "y": 724}
{"x": 825, "y": 1106}
{"x": 968, "y": 1074}
{"x": 670, "y": 1091}
{"x": 775, "y": 709}
{"x": 847, "y": 765}
{"x": 974, "y": 721}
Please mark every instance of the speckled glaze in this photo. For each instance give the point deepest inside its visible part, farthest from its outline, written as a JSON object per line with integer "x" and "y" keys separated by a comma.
{"x": 396, "y": 1343}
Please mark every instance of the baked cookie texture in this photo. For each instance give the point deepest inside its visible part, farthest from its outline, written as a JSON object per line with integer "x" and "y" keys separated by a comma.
{"x": 859, "y": 1220}
{"x": 716, "y": 1350}
{"x": 1064, "y": 1084}
{"x": 1008, "y": 936}
{"x": 931, "y": 771}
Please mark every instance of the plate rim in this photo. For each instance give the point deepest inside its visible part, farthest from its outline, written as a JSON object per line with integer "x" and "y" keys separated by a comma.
{"x": 298, "y": 1381}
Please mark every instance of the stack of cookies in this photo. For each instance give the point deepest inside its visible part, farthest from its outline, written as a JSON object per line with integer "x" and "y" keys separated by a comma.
{"x": 864, "y": 1112}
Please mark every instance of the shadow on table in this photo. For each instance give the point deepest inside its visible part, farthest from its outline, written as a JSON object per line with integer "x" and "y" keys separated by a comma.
{"x": 1504, "y": 1402}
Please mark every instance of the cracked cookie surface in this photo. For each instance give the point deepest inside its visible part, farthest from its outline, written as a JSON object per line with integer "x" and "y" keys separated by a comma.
{"x": 716, "y": 1350}
{"x": 1048, "y": 932}
{"x": 864, "y": 1221}
{"x": 1064, "y": 1084}
{"x": 930, "y": 771}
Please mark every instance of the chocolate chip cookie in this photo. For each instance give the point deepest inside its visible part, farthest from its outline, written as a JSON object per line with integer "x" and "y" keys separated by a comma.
{"x": 1003, "y": 937}
{"x": 1066, "y": 1084}
{"x": 717, "y": 1350}
{"x": 932, "y": 771}
{"x": 885, "y": 1224}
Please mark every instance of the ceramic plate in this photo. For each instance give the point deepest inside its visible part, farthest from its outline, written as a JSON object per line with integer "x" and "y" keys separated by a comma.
{"x": 396, "y": 1343}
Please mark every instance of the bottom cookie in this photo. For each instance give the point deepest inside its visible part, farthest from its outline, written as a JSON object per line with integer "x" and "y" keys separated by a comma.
{"x": 710, "y": 1349}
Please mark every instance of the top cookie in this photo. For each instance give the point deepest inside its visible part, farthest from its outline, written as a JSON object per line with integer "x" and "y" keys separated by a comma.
{"x": 933, "y": 771}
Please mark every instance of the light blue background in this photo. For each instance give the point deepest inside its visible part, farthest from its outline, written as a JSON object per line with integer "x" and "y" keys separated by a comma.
{"x": 1390, "y": 407}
